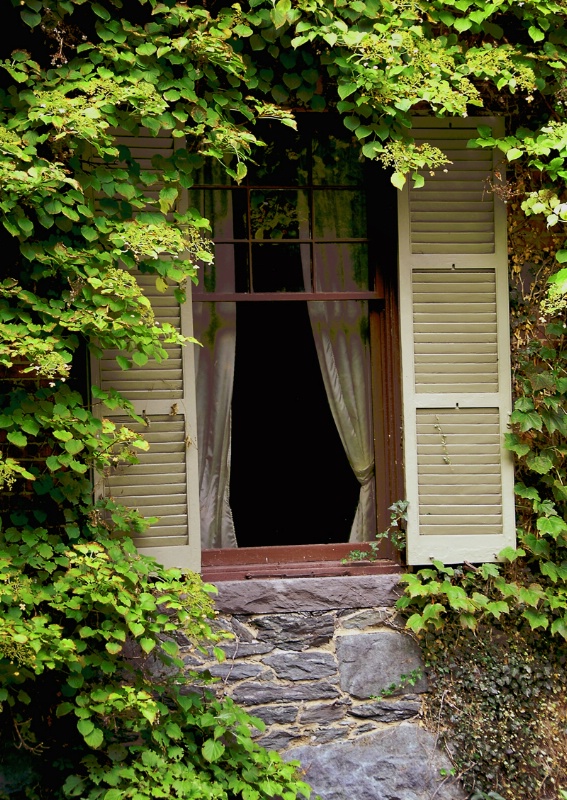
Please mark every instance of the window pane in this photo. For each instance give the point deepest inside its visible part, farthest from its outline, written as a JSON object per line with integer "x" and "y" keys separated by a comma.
{"x": 226, "y": 273}
{"x": 279, "y": 214}
{"x": 284, "y": 162}
{"x": 224, "y": 208}
{"x": 339, "y": 214}
{"x": 281, "y": 267}
{"x": 336, "y": 161}
{"x": 341, "y": 267}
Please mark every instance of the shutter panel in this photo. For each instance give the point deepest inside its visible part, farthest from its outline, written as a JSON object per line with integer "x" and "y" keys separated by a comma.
{"x": 455, "y": 354}
{"x": 165, "y": 482}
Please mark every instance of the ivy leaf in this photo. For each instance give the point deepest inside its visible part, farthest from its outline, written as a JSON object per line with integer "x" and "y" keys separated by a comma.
{"x": 542, "y": 464}
{"x": 74, "y": 446}
{"x": 535, "y": 33}
{"x": 560, "y": 626}
{"x": 536, "y": 618}
{"x": 346, "y": 89}
{"x": 398, "y": 179}
{"x": 147, "y": 645}
{"x": 31, "y": 18}
{"x": 140, "y": 358}
{"x": 95, "y": 739}
{"x": 212, "y": 750}
{"x": 167, "y": 197}
{"x": 17, "y": 438}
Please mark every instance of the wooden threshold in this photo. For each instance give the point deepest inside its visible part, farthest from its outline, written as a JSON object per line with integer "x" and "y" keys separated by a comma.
{"x": 289, "y": 561}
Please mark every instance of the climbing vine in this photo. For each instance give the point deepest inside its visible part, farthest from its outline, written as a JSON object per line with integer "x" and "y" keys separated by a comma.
{"x": 83, "y": 616}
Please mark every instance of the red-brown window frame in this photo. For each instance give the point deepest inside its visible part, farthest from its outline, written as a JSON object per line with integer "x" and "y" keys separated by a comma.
{"x": 326, "y": 559}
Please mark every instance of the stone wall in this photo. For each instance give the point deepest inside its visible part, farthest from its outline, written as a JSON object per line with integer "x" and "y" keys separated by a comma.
{"x": 321, "y": 662}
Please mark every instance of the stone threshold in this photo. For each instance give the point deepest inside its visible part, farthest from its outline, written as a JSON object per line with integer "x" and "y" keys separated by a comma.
{"x": 272, "y": 595}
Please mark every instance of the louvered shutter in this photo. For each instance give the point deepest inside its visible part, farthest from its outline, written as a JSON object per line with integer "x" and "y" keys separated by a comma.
{"x": 455, "y": 354}
{"x": 165, "y": 482}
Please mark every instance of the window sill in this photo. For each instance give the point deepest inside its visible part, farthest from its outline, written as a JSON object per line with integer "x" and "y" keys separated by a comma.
{"x": 306, "y": 561}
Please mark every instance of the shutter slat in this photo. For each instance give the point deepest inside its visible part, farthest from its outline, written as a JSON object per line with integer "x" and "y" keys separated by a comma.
{"x": 159, "y": 484}
{"x": 455, "y": 355}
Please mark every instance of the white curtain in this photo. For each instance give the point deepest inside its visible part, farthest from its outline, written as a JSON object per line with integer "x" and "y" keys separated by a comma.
{"x": 341, "y": 334}
{"x": 215, "y": 329}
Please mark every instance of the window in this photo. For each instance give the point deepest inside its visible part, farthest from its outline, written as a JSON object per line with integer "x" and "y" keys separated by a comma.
{"x": 289, "y": 353}
{"x": 306, "y": 257}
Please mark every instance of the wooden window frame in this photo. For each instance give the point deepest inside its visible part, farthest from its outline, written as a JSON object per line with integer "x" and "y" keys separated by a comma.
{"x": 327, "y": 559}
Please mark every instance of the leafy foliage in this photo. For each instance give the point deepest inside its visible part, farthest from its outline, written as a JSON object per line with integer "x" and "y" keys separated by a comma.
{"x": 82, "y": 614}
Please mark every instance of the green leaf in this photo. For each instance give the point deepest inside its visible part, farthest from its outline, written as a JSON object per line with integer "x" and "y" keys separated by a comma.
{"x": 95, "y": 739}
{"x": 101, "y": 12}
{"x": 535, "y": 33}
{"x": 511, "y": 553}
{"x": 139, "y": 358}
{"x": 535, "y": 618}
{"x": 212, "y": 750}
{"x": 398, "y": 179}
{"x": 147, "y": 645}
{"x": 17, "y": 438}
{"x": 346, "y": 89}
{"x": 30, "y": 18}
{"x": 85, "y": 726}
{"x": 167, "y": 197}
{"x": 74, "y": 446}
{"x": 124, "y": 363}
{"x": 513, "y": 153}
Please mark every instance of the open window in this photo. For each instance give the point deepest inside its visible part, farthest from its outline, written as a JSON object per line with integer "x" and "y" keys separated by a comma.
{"x": 296, "y": 449}
{"x": 289, "y": 454}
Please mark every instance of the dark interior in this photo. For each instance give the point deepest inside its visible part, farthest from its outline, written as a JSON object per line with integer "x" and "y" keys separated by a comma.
{"x": 291, "y": 482}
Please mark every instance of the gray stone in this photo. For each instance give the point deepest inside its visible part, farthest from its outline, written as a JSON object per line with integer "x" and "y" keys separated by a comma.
{"x": 295, "y": 631}
{"x": 369, "y": 663}
{"x": 276, "y": 715}
{"x": 241, "y": 632}
{"x": 326, "y": 712}
{"x": 302, "y": 666}
{"x": 280, "y": 739}
{"x": 251, "y": 693}
{"x": 329, "y": 734}
{"x": 229, "y": 671}
{"x": 387, "y": 712}
{"x": 245, "y": 649}
{"x": 307, "y": 594}
{"x": 369, "y": 618}
{"x": 399, "y": 763}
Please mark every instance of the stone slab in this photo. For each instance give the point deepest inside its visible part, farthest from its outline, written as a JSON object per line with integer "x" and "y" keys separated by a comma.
{"x": 267, "y": 596}
{"x": 253, "y": 693}
{"x": 370, "y": 663}
{"x": 400, "y": 763}
{"x": 385, "y": 711}
{"x": 302, "y": 666}
{"x": 295, "y": 631}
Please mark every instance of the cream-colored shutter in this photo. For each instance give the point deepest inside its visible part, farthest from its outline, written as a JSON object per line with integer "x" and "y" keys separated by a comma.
{"x": 455, "y": 354}
{"x": 165, "y": 482}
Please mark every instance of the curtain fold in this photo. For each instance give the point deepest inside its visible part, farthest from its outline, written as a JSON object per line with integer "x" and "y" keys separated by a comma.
{"x": 341, "y": 334}
{"x": 215, "y": 328}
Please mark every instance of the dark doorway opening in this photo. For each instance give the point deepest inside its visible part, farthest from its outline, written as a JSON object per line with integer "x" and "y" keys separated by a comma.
{"x": 291, "y": 482}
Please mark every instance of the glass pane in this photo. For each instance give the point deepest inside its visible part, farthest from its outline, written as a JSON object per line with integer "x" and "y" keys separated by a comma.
{"x": 280, "y": 267}
{"x": 284, "y": 162}
{"x": 223, "y": 272}
{"x": 341, "y": 267}
{"x": 336, "y": 160}
{"x": 279, "y": 214}
{"x": 339, "y": 214}
{"x": 224, "y": 208}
